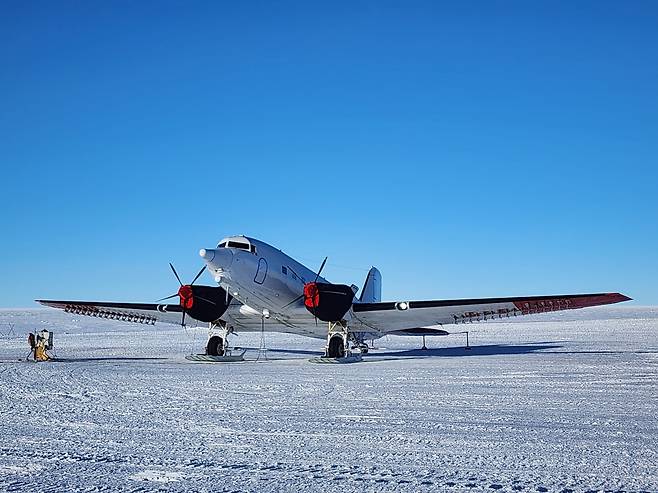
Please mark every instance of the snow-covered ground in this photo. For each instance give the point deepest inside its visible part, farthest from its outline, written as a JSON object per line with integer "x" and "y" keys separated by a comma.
{"x": 568, "y": 402}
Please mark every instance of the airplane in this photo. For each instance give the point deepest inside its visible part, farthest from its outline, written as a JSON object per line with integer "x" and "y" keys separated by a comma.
{"x": 260, "y": 288}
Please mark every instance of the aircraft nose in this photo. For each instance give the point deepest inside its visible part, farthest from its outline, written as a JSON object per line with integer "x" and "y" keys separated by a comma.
{"x": 217, "y": 258}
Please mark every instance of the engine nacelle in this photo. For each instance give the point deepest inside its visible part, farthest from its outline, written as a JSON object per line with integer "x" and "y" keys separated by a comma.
{"x": 204, "y": 303}
{"x": 328, "y": 302}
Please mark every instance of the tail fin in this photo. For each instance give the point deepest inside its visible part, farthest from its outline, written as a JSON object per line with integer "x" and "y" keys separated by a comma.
{"x": 372, "y": 288}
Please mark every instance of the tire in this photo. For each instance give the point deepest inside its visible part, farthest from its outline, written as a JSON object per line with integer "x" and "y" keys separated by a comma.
{"x": 215, "y": 346}
{"x": 336, "y": 347}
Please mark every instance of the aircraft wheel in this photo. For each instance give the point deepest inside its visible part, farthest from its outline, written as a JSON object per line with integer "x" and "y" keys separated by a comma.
{"x": 215, "y": 346}
{"x": 336, "y": 347}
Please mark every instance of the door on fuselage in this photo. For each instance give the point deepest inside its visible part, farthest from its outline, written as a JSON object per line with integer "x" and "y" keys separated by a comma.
{"x": 261, "y": 273}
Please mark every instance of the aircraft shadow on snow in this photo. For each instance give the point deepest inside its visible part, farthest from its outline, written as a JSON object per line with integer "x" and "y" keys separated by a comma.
{"x": 109, "y": 358}
{"x": 487, "y": 350}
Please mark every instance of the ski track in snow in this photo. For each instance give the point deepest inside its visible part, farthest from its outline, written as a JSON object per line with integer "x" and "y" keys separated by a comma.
{"x": 566, "y": 403}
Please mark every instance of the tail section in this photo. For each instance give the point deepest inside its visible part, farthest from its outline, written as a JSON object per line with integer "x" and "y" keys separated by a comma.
{"x": 372, "y": 288}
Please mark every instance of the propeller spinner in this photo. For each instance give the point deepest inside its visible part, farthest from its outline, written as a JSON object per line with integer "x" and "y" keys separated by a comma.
{"x": 186, "y": 293}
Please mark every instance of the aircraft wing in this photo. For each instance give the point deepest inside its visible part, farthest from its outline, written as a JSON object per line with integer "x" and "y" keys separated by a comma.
{"x": 145, "y": 313}
{"x": 410, "y": 317}
{"x": 150, "y": 313}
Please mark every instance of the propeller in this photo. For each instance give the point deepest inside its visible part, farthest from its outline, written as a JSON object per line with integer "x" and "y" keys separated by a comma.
{"x": 321, "y": 267}
{"x": 317, "y": 276}
{"x": 186, "y": 293}
{"x": 315, "y": 295}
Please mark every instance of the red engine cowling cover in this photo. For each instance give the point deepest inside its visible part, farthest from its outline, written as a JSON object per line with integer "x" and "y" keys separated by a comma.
{"x": 328, "y": 302}
{"x": 204, "y": 303}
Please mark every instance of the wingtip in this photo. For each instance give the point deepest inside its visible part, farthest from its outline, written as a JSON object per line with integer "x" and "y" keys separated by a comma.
{"x": 49, "y": 303}
{"x": 624, "y": 297}
{"x": 618, "y": 297}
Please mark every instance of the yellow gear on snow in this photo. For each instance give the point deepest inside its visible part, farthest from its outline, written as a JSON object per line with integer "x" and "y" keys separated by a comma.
{"x": 40, "y": 342}
{"x": 40, "y": 354}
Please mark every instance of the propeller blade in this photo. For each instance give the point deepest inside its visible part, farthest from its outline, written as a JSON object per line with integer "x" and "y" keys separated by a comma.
{"x": 198, "y": 275}
{"x": 321, "y": 267}
{"x": 175, "y": 273}
{"x": 182, "y": 322}
{"x": 167, "y": 298}
{"x": 294, "y": 301}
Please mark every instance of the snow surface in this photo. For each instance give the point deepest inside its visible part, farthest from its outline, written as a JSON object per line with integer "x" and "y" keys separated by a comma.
{"x": 565, "y": 403}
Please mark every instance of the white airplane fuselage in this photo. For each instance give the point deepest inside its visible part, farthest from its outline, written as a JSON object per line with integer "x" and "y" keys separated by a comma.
{"x": 268, "y": 283}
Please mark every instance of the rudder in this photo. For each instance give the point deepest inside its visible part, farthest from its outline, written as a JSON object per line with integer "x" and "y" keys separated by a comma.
{"x": 372, "y": 288}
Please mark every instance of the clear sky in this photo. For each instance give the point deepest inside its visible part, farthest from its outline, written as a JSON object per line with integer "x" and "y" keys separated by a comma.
{"x": 479, "y": 149}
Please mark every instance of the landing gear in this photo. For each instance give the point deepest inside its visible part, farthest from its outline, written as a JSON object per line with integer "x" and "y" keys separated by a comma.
{"x": 337, "y": 341}
{"x": 336, "y": 347}
{"x": 340, "y": 343}
{"x": 218, "y": 339}
{"x": 215, "y": 346}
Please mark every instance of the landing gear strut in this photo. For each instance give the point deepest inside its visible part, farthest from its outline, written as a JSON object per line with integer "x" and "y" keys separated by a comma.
{"x": 217, "y": 348}
{"x": 337, "y": 341}
{"x": 218, "y": 341}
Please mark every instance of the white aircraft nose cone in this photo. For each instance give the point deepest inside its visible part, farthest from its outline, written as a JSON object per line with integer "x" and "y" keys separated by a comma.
{"x": 217, "y": 258}
{"x": 207, "y": 254}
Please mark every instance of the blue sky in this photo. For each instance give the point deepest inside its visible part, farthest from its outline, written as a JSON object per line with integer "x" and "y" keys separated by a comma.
{"x": 479, "y": 149}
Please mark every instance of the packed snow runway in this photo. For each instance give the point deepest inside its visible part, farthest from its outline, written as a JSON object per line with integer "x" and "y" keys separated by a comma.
{"x": 560, "y": 402}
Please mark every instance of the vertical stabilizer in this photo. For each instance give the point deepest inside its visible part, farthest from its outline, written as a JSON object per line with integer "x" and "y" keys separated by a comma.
{"x": 372, "y": 288}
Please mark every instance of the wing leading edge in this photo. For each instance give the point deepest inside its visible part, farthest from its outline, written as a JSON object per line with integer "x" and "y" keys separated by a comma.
{"x": 150, "y": 313}
{"x": 402, "y": 316}
{"x": 144, "y": 313}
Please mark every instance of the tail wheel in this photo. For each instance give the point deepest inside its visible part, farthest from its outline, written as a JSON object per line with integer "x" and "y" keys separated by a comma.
{"x": 336, "y": 347}
{"x": 215, "y": 346}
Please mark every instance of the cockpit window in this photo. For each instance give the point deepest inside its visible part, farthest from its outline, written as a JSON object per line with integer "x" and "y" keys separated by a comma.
{"x": 235, "y": 244}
